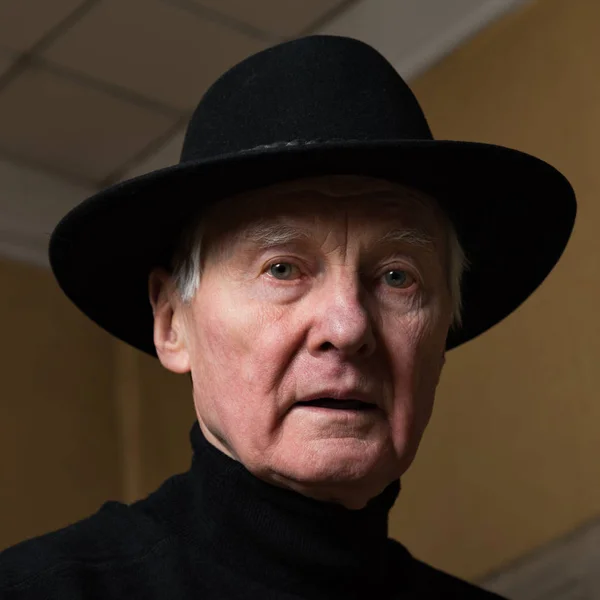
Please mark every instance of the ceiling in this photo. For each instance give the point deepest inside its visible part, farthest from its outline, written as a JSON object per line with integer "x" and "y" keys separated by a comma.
{"x": 96, "y": 91}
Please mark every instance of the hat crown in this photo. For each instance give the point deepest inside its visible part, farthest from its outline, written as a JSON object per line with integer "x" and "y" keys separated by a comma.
{"x": 317, "y": 88}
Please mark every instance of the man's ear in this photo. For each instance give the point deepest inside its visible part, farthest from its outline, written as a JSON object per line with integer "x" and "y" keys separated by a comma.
{"x": 169, "y": 322}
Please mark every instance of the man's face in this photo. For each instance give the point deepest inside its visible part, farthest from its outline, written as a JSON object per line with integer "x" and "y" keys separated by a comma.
{"x": 335, "y": 309}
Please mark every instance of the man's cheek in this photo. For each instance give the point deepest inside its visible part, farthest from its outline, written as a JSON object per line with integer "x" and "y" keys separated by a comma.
{"x": 217, "y": 341}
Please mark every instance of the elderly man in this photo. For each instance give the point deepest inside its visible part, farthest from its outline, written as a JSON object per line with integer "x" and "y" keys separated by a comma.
{"x": 309, "y": 261}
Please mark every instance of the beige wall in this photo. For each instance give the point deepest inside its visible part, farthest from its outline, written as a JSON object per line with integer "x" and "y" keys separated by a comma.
{"x": 59, "y": 457}
{"x": 168, "y": 418}
{"x": 510, "y": 458}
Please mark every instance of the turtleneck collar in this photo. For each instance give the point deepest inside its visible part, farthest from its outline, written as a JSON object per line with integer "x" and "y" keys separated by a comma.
{"x": 276, "y": 535}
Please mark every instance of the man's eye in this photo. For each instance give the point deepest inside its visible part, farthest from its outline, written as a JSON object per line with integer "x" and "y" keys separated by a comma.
{"x": 396, "y": 278}
{"x": 281, "y": 270}
{"x": 399, "y": 278}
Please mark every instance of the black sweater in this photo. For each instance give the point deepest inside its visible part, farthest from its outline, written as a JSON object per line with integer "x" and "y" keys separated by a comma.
{"x": 218, "y": 532}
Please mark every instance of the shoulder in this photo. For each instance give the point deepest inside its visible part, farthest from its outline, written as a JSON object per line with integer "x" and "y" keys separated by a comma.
{"x": 59, "y": 563}
{"x": 431, "y": 583}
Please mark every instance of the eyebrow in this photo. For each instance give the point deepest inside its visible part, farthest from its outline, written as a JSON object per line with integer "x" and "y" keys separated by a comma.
{"x": 267, "y": 235}
{"x": 413, "y": 237}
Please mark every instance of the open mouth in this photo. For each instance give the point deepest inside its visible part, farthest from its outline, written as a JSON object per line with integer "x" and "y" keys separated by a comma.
{"x": 338, "y": 404}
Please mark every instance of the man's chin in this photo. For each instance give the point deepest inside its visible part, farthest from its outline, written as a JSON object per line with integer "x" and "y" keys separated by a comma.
{"x": 337, "y": 462}
{"x": 353, "y": 491}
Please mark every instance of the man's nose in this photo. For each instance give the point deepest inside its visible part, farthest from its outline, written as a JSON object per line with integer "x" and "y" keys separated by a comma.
{"x": 342, "y": 321}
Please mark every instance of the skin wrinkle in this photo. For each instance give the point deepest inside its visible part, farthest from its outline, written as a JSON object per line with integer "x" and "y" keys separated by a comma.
{"x": 254, "y": 344}
{"x": 188, "y": 260}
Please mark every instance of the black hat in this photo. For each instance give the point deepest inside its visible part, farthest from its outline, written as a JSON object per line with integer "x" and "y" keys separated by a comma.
{"x": 320, "y": 105}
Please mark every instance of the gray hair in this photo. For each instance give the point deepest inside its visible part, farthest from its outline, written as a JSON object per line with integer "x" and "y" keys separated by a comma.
{"x": 187, "y": 261}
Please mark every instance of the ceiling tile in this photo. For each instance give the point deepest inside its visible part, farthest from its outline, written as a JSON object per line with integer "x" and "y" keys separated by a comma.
{"x": 414, "y": 34}
{"x": 161, "y": 51}
{"x": 281, "y": 17}
{"x": 74, "y": 129}
{"x": 32, "y": 201}
{"x": 24, "y": 22}
{"x": 166, "y": 156}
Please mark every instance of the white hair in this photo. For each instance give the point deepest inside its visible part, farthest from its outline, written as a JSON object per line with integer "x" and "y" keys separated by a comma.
{"x": 187, "y": 261}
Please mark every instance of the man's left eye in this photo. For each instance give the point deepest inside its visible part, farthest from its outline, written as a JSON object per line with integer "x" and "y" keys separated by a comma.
{"x": 399, "y": 278}
{"x": 279, "y": 268}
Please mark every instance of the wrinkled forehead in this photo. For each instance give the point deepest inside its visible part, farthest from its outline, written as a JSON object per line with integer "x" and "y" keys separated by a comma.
{"x": 314, "y": 199}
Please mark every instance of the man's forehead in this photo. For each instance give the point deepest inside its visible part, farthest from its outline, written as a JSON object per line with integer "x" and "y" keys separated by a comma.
{"x": 310, "y": 198}
{"x": 333, "y": 185}
{"x": 384, "y": 213}
{"x": 379, "y": 212}
{"x": 271, "y": 233}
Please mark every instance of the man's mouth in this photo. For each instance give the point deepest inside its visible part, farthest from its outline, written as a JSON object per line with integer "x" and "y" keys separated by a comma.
{"x": 338, "y": 404}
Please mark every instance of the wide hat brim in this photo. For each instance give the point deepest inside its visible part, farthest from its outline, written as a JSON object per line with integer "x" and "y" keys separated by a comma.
{"x": 514, "y": 214}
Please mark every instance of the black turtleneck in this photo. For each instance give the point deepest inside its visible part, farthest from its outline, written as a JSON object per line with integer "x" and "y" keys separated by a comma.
{"x": 271, "y": 534}
{"x": 218, "y": 532}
